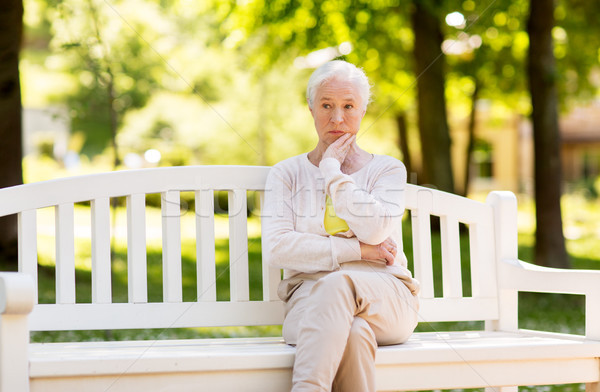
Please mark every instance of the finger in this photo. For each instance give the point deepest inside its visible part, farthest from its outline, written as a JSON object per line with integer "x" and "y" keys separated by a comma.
{"x": 342, "y": 139}
{"x": 389, "y": 257}
{"x": 386, "y": 255}
{"x": 348, "y": 141}
{"x": 389, "y": 241}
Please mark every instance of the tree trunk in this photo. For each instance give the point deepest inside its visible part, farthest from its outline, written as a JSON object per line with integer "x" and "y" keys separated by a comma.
{"x": 114, "y": 120}
{"x": 403, "y": 142}
{"x": 550, "y": 244}
{"x": 433, "y": 125}
{"x": 471, "y": 138}
{"x": 11, "y": 173}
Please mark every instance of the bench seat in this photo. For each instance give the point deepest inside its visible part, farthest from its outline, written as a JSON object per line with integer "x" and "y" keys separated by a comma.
{"x": 458, "y": 359}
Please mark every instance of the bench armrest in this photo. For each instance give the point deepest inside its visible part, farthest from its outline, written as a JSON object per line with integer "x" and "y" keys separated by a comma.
{"x": 16, "y": 293}
{"x": 516, "y": 275}
{"x": 17, "y": 298}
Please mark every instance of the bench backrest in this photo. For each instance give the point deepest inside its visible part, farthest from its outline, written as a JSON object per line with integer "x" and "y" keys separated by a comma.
{"x": 102, "y": 313}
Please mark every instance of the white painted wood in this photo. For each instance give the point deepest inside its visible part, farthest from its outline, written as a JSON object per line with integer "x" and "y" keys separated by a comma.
{"x": 459, "y": 375}
{"x": 222, "y": 313}
{"x": 14, "y": 338}
{"x": 451, "y": 266}
{"x": 205, "y": 245}
{"x": 222, "y": 381}
{"x": 171, "y": 234}
{"x": 592, "y": 313}
{"x": 101, "y": 262}
{"x": 504, "y": 205}
{"x": 271, "y": 276}
{"x": 28, "y": 258}
{"x": 17, "y": 295}
{"x": 137, "y": 278}
{"x": 428, "y": 349}
{"x": 443, "y": 203}
{"x": 517, "y": 275}
{"x": 426, "y": 361}
{"x": 17, "y": 298}
{"x": 238, "y": 246}
{"x": 457, "y": 309}
{"x": 129, "y": 182}
{"x": 48, "y": 317}
{"x": 65, "y": 253}
{"x": 421, "y": 230}
{"x": 482, "y": 254}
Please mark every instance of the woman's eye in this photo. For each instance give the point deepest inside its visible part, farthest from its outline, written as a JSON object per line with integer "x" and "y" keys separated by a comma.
{"x": 348, "y": 106}
{"x": 326, "y": 105}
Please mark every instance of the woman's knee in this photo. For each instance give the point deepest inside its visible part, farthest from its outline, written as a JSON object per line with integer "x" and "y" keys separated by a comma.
{"x": 362, "y": 337}
{"x": 335, "y": 284}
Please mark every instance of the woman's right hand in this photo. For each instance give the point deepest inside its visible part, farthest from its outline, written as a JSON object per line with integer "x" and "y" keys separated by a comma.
{"x": 339, "y": 148}
{"x": 385, "y": 251}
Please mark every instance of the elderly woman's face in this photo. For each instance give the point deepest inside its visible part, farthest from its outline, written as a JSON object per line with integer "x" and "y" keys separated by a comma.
{"x": 337, "y": 109}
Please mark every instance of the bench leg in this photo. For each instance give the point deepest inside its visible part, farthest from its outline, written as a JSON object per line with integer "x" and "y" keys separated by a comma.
{"x": 503, "y": 389}
{"x": 592, "y": 387}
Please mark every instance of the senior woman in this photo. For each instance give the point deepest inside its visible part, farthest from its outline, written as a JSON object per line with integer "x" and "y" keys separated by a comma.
{"x": 332, "y": 220}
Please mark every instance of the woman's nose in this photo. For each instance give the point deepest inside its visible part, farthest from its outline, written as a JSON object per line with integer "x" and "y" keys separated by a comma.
{"x": 337, "y": 116}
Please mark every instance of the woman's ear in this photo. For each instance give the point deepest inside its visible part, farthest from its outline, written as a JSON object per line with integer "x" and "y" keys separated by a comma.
{"x": 309, "y": 108}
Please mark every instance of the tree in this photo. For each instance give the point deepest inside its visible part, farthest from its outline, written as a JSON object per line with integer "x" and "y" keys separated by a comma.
{"x": 429, "y": 67}
{"x": 11, "y": 30}
{"x": 550, "y": 243}
{"x": 382, "y": 44}
{"x": 107, "y": 48}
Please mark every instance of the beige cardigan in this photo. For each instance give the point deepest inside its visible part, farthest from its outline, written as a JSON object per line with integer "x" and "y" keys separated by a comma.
{"x": 371, "y": 201}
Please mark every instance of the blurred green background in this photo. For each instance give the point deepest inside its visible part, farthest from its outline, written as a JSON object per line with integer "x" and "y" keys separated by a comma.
{"x": 111, "y": 85}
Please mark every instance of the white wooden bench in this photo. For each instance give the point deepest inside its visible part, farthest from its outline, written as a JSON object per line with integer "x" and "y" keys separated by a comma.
{"x": 502, "y": 355}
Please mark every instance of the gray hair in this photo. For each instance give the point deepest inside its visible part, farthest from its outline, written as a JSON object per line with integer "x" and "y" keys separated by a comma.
{"x": 341, "y": 70}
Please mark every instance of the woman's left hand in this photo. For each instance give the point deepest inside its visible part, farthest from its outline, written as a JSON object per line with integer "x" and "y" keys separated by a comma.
{"x": 339, "y": 148}
{"x": 386, "y": 251}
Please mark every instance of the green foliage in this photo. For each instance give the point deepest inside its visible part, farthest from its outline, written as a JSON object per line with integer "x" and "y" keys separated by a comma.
{"x": 105, "y": 52}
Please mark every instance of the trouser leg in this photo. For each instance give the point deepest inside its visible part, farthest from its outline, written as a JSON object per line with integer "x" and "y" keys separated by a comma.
{"x": 323, "y": 333}
{"x": 330, "y": 309}
{"x": 357, "y": 368}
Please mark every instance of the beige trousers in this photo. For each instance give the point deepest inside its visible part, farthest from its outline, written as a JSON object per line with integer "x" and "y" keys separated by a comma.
{"x": 337, "y": 322}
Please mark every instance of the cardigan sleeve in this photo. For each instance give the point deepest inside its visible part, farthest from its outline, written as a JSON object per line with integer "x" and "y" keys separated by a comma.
{"x": 371, "y": 214}
{"x": 287, "y": 248}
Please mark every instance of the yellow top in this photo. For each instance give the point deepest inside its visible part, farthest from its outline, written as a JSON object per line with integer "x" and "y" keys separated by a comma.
{"x": 332, "y": 223}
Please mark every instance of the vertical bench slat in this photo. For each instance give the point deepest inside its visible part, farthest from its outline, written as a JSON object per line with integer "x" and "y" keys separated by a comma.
{"x": 451, "y": 266}
{"x": 271, "y": 276}
{"x": 238, "y": 245}
{"x": 171, "y": 235}
{"x": 475, "y": 255}
{"x": 28, "y": 258}
{"x": 137, "y": 280}
{"x": 65, "y": 253}
{"x": 101, "y": 277}
{"x": 421, "y": 226}
{"x": 205, "y": 245}
{"x": 482, "y": 259}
